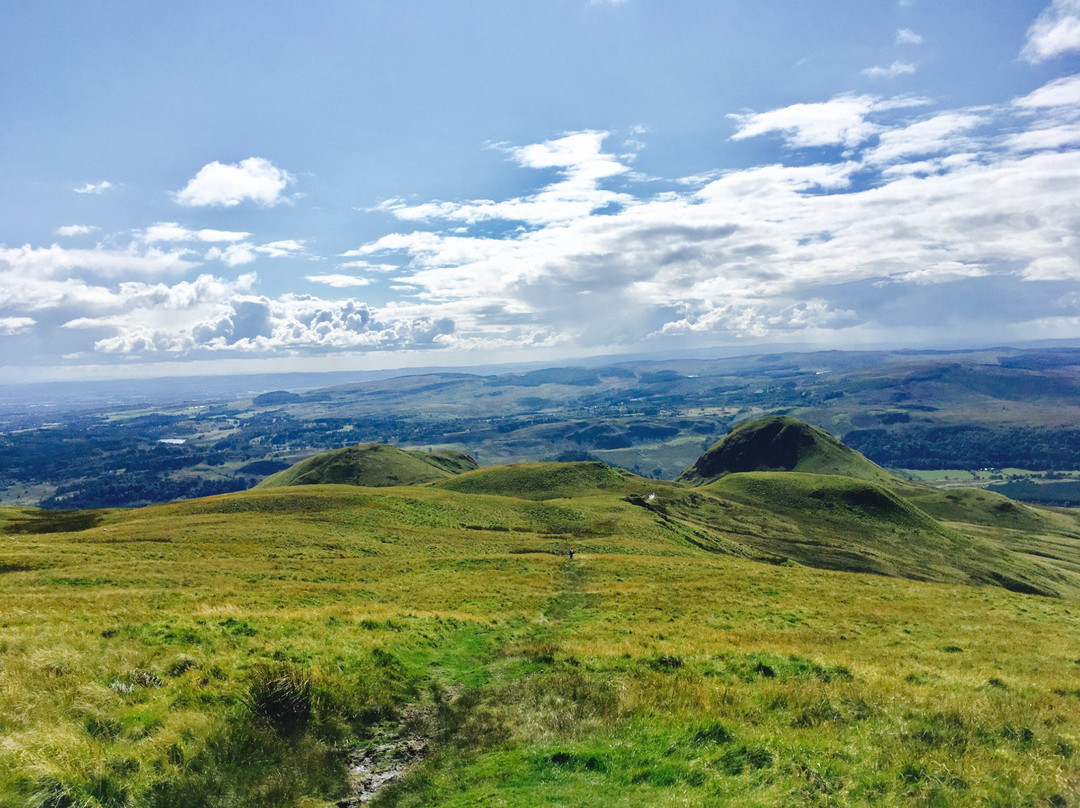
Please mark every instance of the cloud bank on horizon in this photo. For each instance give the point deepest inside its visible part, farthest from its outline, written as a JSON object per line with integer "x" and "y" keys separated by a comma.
{"x": 866, "y": 217}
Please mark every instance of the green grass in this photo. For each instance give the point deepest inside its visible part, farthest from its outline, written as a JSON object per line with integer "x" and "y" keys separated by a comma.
{"x": 371, "y": 464}
{"x": 542, "y": 481}
{"x": 230, "y": 651}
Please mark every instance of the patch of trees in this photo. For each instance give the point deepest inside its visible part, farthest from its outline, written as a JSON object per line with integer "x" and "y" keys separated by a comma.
{"x": 1060, "y": 494}
{"x": 129, "y": 490}
{"x": 275, "y": 398}
{"x": 969, "y": 447}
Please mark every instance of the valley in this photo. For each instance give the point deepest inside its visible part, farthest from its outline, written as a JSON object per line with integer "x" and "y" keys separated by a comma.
{"x": 1011, "y": 410}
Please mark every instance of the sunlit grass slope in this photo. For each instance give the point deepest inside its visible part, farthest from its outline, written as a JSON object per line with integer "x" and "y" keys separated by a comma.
{"x": 229, "y": 651}
{"x": 846, "y": 524}
{"x": 371, "y": 464}
{"x": 542, "y": 481}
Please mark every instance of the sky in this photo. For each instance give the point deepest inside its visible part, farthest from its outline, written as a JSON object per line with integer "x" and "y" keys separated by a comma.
{"x": 207, "y": 187}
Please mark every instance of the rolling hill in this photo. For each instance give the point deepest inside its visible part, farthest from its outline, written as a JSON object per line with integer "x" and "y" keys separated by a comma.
{"x": 311, "y": 644}
{"x": 775, "y": 489}
{"x": 542, "y": 481}
{"x": 781, "y": 443}
{"x": 371, "y": 464}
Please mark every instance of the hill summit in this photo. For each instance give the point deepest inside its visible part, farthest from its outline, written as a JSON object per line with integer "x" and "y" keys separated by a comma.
{"x": 372, "y": 464}
{"x": 781, "y": 443}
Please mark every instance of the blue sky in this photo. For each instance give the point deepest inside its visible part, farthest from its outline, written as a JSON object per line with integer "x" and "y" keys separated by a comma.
{"x": 207, "y": 187}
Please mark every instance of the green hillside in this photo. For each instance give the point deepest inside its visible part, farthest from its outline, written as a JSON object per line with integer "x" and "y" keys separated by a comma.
{"x": 544, "y": 480}
{"x": 846, "y": 524}
{"x": 254, "y": 649}
{"x": 781, "y": 443}
{"x": 309, "y": 645}
{"x": 371, "y": 464}
{"x": 980, "y": 507}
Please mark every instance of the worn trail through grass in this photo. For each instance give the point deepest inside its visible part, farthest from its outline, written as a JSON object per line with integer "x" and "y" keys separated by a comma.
{"x": 569, "y": 606}
{"x": 399, "y": 747}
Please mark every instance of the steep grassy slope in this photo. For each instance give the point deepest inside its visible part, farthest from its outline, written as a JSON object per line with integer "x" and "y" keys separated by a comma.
{"x": 371, "y": 464}
{"x": 781, "y": 443}
{"x": 853, "y": 515}
{"x": 232, "y": 650}
{"x": 846, "y": 524}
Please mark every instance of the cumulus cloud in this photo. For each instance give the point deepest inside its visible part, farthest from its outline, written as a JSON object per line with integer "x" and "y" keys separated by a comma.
{"x": 890, "y": 72}
{"x": 94, "y": 187}
{"x": 74, "y": 230}
{"x": 905, "y": 36}
{"x": 245, "y": 323}
{"x": 908, "y": 216}
{"x": 916, "y": 201}
{"x": 226, "y": 185}
{"x": 1055, "y": 32}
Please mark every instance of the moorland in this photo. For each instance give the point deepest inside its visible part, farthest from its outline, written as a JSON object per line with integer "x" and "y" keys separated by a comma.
{"x": 787, "y": 623}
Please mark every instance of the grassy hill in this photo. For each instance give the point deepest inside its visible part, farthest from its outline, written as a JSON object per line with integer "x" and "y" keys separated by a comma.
{"x": 781, "y": 443}
{"x": 544, "y": 480}
{"x": 846, "y": 524}
{"x": 371, "y": 464}
{"x": 270, "y": 647}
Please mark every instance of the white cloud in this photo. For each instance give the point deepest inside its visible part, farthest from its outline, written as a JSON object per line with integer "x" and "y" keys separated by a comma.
{"x": 905, "y": 36}
{"x": 74, "y": 230}
{"x": 1052, "y": 137}
{"x": 1056, "y": 31}
{"x": 763, "y": 252}
{"x": 338, "y": 281}
{"x": 10, "y": 326}
{"x": 579, "y": 159}
{"x": 93, "y": 188}
{"x": 57, "y": 260}
{"x": 1063, "y": 92}
{"x": 842, "y": 121}
{"x": 1054, "y": 110}
{"x": 278, "y": 249}
{"x": 214, "y": 316}
{"x": 216, "y": 184}
{"x": 890, "y": 72}
{"x": 245, "y": 253}
{"x": 234, "y": 255}
{"x": 173, "y": 232}
{"x": 929, "y": 136}
{"x": 366, "y": 265}
{"x": 921, "y": 216}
